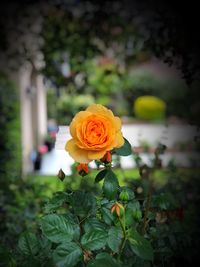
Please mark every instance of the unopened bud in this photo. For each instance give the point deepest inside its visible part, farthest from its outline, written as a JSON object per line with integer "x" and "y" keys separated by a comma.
{"x": 61, "y": 175}
{"x": 117, "y": 209}
{"x": 82, "y": 169}
{"x": 124, "y": 195}
{"x": 137, "y": 214}
{"x": 107, "y": 158}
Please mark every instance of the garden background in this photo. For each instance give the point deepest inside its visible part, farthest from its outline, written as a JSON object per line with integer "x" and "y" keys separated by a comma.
{"x": 57, "y": 58}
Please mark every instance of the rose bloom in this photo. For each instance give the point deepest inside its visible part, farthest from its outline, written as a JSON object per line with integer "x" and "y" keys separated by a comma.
{"x": 94, "y": 132}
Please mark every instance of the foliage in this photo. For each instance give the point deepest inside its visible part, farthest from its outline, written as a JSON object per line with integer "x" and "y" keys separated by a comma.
{"x": 10, "y": 149}
{"x": 107, "y": 84}
{"x": 149, "y": 108}
{"x": 118, "y": 226}
{"x": 140, "y": 29}
{"x": 68, "y": 105}
{"x": 100, "y": 62}
{"x": 139, "y": 82}
{"x": 10, "y": 128}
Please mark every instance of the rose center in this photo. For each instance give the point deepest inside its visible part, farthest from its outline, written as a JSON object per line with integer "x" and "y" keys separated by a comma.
{"x": 95, "y": 132}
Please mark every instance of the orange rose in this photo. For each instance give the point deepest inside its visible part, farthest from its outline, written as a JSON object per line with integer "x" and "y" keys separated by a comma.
{"x": 94, "y": 132}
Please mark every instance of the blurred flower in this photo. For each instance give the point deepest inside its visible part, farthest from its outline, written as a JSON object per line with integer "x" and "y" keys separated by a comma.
{"x": 43, "y": 149}
{"x": 53, "y": 134}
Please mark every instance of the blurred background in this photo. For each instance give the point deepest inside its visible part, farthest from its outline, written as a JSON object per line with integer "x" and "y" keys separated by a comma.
{"x": 57, "y": 58}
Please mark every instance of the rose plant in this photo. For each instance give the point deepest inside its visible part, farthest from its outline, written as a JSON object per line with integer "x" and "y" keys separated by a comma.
{"x": 79, "y": 228}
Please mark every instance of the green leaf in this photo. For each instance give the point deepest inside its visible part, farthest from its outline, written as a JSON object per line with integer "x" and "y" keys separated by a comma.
{"x": 103, "y": 260}
{"x": 107, "y": 216}
{"x": 164, "y": 201}
{"x": 6, "y": 257}
{"x": 133, "y": 212}
{"x": 125, "y": 150}
{"x": 83, "y": 203}
{"x": 93, "y": 224}
{"x": 30, "y": 262}
{"x": 67, "y": 254}
{"x": 110, "y": 185}
{"x": 141, "y": 246}
{"x": 114, "y": 238}
{"x": 57, "y": 201}
{"x": 94, "y": 239}
{"x": 29, "y": 244}
{"x": 101, "y": 175}
{"x": 57, "y": 228}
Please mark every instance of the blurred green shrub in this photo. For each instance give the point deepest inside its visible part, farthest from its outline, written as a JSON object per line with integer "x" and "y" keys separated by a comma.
{"x": 10, "y": 149}
{"x": 10, "y": 152}
{"x": 149, "y": 108}
{"x": 171, "y": 90}
{"x": 69, "y": 104}
{"x": 103, "y": 78}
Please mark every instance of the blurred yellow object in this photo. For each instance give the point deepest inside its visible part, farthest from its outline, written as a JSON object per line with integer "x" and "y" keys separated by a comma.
{"x": 149, "y": 108}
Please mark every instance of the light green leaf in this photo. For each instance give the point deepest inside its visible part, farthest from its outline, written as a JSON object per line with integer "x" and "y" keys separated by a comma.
{"x": 67, "y": 254}
{"x": 94, "y": 239}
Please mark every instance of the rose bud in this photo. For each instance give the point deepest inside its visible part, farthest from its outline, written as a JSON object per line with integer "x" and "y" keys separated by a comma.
{"x": 82, "y": 169}
{"x": 124, "y": 195}
{"x": 117, "y": 209}
{"x": 107, "y": 158}
{"x": 137, "y": 214}
{"x": 61, "y": 175}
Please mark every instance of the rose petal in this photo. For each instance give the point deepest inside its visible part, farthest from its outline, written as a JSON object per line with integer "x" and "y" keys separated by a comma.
{"x": 119, "y": 139}
{"x": 79, "y": 155}
{"x": 99, "y": 109}
{"x": 80, "y": 116}
{"x": 96, "y": 154}
{"x": 118, "y": 123}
